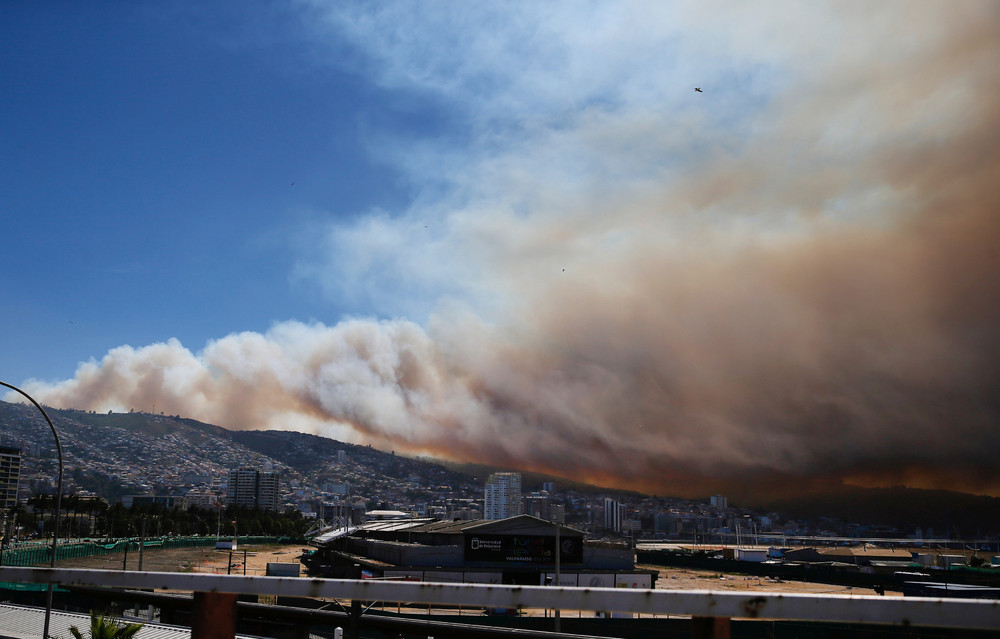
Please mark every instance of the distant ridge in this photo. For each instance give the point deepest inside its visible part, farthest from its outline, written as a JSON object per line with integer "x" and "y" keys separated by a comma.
{"x": 948, "y": 513}
{"x": 304, "y": 453}
{"x": 95, "y": 450}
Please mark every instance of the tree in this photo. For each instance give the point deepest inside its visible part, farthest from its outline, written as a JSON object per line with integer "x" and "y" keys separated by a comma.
{"x": 102, "y": 627}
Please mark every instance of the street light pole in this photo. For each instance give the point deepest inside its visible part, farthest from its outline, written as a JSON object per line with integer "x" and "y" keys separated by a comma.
{"x": 59, "y": 490}
{"x": 556, "y": 622}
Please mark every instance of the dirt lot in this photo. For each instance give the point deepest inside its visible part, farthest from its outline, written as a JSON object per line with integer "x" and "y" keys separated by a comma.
{"x": 207, "y": 560}
{"x": 686, "y": 579}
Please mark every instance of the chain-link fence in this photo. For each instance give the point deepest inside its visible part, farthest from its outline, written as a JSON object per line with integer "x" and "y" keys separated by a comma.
{"x": 41, "y": 554}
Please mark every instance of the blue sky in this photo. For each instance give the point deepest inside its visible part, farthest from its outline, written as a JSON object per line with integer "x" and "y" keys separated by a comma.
{"x": 170, "y": 167}
{"x": 148, "y": 179}
{"x": 515, "y": 232}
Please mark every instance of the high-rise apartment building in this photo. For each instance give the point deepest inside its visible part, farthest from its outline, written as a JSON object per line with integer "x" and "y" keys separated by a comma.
{"x": 538, "y": 504}
{"x": 254, "y": 488}
{"x": 557, "y": 513}
{"x": 614, "y": 513}
{"x": 10, "y": 476}
{"x": 503, "y": 496}
{"x": 268, "y": 490}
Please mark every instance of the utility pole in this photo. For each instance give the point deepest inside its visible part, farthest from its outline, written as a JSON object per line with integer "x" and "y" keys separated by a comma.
{"x": 3, "y": 541}
{"x": 556, "y": 619}
{"x": 142, "y": 541}
{"x": 59, "y": 491}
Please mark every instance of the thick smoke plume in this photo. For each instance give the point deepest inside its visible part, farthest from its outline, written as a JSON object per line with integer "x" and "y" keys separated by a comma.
{"x": 813, "y": 297}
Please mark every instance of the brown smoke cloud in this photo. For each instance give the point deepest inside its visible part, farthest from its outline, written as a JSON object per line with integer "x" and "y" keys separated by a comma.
{"x": 820, "y": 304}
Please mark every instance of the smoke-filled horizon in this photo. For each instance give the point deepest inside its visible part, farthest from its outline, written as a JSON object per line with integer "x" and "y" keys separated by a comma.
{"x": 786, "y": 279}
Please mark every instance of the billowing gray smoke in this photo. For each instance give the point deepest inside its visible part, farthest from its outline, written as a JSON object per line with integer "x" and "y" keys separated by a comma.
{"x": 811, "y": 295}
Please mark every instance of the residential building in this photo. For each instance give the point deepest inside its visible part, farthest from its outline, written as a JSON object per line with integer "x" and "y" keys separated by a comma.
{"x": 502, "y": 496}
{"x": 538, "y": 504}
{"x": 167, "y": 501}
{"x": 614, "y": 513}
{"x": 254, "y": 488}
{"x": 10, "y": 476}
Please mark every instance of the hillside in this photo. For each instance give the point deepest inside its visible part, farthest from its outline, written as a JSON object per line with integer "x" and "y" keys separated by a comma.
{"x": 114, "y": 454}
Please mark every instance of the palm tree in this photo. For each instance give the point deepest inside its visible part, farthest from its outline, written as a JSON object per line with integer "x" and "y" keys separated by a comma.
{"x": 71, "y": 503}
{"x": 102, "y": 627}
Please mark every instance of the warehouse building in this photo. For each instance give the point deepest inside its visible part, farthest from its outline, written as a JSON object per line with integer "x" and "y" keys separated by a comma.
{"x": 517, "y": 550}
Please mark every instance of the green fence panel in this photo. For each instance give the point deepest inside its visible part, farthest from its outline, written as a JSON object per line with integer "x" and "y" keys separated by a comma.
{"x": 41, "y": 554}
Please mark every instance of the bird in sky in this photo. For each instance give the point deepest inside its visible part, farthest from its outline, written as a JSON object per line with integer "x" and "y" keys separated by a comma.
{"x": 698, "y": 89}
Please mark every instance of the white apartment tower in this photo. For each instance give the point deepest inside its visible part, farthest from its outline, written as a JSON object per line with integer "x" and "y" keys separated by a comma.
{"x": 503, "y": 496}
{"x": 614, "y": 513}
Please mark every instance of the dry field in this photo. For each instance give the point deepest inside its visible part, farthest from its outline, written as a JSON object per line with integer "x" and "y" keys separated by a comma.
{"x": 206, "y": 560}
{"x": 687, "y": 579}
{"x": 209, "y": 560}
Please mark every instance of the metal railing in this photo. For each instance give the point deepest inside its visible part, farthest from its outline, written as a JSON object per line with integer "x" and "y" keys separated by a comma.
{"x": 908, "y": 611}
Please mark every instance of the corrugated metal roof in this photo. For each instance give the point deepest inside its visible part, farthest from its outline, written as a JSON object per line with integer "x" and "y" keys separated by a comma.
{"x": 392, "y": 525}
{"x": 27, "y": 622}
{"x": 857, "y": 551}
{"x": 445, "y": 526}
{"x": 522, "y": 524}
{"x": 332, "y": 533}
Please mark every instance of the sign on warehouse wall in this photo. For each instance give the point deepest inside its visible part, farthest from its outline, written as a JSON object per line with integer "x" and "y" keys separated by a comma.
{"x": 531, "y": 549}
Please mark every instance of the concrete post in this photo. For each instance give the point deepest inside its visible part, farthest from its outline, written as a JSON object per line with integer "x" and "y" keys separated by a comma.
{"x": 710, "y": 628}
{"x": 214, "y": 615}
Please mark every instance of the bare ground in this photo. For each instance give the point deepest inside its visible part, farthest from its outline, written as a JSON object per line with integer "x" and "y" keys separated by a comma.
{"x": 205, "y": 560}
{"x": 209, "y": 560}
{"x": 688, "y": 579}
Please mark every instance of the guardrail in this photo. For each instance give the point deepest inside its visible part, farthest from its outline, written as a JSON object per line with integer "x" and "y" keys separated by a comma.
{"x": 217, "y": 596}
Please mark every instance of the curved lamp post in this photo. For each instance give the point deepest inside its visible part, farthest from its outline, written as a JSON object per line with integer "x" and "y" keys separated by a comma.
{"x": 59, "y": 490}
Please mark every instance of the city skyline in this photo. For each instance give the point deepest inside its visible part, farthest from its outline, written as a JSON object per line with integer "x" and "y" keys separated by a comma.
{"x": 518, "y": 233}
{"x": 143, "y": 458}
